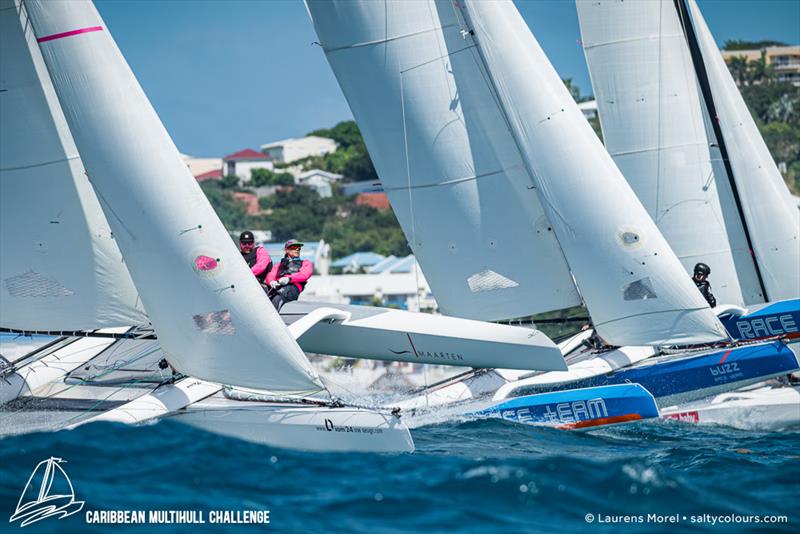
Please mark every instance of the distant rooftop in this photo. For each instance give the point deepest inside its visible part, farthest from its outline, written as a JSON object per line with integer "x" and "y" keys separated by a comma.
{"x": 393, "y": 264}
{"x": 359, "y": 259}
{"x": 215, "y": 174}
{"x": 248, "y": 154}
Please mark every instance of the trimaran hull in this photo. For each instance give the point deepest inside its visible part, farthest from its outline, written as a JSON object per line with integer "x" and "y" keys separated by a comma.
{"x": 512, "y": 395}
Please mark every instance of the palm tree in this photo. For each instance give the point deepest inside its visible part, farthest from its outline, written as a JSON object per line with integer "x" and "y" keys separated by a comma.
{"x": 738, "y": 67}
{"x": 760, "y": 71}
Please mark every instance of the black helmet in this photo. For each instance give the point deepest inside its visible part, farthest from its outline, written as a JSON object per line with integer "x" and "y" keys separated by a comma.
{"x": 702, "y": 268}
{"x": 247, "y": 237}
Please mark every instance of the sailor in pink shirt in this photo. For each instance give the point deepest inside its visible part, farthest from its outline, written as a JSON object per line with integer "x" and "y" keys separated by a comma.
{"x": 288, "y": 277}
{"x": 256, "y": 257}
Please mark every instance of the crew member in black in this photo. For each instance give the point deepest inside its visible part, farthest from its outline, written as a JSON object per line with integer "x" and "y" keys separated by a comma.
{"x": 288, "y": 278}
{"x": 257, "y": 258}
{"x": 701, "y": 272}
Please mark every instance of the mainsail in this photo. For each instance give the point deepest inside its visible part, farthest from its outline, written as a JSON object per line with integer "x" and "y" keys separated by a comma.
{"x": 211, "y": 316}
{"x": 633, "y": 284}
{"x": 650, "y": 110}
{"x": 60, "y": 268}
{"x": 770, "y": 215}
{"x": 480, "y": 60}
{"x": 445, "y": 156}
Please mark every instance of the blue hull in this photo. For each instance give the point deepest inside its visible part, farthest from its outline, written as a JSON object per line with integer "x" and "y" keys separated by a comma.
{"x": 693, "y": 377}
{"x": 578, "y": 408}
{"x": 769, "y": 320}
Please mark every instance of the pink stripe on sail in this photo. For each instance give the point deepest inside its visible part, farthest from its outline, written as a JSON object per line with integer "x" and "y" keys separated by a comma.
{"x": 69, "y": 34}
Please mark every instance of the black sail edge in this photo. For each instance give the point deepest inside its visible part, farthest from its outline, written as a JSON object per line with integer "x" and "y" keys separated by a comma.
{"x": 708, "y": 99}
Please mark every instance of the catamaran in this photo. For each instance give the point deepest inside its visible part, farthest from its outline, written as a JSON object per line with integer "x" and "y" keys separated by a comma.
{"x": 513, "y": 207}
{"x": 145, "y": 248}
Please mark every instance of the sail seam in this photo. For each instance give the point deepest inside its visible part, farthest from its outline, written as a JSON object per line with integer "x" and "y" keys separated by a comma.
{"x": 655, "y": 149}
{"x": 654, "y": 37}
{"x": 454, "y": 180}
{"x": 22, "y": 167}
{"x": 437, "y": 59}
{"x": 386, "y": 40}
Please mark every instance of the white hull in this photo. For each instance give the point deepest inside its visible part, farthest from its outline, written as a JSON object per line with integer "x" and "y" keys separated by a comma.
{"x": 767, "y": 408}
{"x": 299, "y": 426}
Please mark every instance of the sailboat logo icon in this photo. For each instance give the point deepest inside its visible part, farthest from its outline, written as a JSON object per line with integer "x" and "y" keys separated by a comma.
{"x": 48, "y": 493}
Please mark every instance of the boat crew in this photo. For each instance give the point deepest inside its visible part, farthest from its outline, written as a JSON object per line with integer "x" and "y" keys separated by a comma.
{"x": 701, "y": 272}
{"x": 256, "y": 257}
{"x": 288, "y": 277}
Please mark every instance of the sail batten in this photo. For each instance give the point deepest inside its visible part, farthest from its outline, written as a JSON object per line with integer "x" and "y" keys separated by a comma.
{"x": 631, "y": 281}
{"x": 60, "y": 267}
{"x": 213, "y": 323}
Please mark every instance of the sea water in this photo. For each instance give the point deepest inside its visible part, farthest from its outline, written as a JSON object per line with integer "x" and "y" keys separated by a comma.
{"x": 478, "y": 476}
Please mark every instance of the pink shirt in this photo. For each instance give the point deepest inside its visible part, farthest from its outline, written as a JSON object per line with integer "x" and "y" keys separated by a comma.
{"x": 262, "y": 261}
{"x": 305, "y": 272}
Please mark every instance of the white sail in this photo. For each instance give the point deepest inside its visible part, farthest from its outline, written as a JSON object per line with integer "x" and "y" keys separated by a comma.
{"x": 445, "y": 156}
{"x": 772, "y": 218}
{"x": 60, "y": 268}
{"x": 650, "y": 110}
{"x": 212, "y": 318}
{"x": 633, "y": 284}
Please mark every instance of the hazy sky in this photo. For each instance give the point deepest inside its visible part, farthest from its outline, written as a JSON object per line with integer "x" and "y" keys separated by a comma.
{"x": 232, "y": 74}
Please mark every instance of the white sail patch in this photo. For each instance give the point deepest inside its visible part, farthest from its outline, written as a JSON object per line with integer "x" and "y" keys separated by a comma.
{"x": 218, "y": 322}
{"x": 488, "y": 280}
{"x": 36, "y": 285}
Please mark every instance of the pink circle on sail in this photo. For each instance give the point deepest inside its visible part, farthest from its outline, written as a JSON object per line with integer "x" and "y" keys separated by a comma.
{"x": 204, "y": 263}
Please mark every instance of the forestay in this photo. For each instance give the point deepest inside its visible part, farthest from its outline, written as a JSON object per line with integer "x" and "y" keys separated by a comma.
{"x": 650, "y": 110}
{"x": 633, "y": 284}
{"x": 60, "y": 268}
{"x": 211, "y": 316}
{"x": 445, "y": 156}
{"x": 771, "y": 215}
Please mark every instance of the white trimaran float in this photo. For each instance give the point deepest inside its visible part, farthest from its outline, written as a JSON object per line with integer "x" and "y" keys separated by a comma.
{"x": 711, "y": 186}
{"x": 120, "y": 227}
{"x": 512, "y": 205}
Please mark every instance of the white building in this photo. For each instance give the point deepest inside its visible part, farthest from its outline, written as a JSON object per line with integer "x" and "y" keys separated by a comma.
{"x": 242, "y": 162}
{"x": 406, "y": 290}
{"x": 198, "y": 166}
{"x": 319, "y": 180}
{"x": 588, "y": 108}
{"x": 289, "y": 150}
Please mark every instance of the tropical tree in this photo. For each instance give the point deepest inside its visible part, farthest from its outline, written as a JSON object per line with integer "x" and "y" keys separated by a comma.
{"x": 737, "y": 65}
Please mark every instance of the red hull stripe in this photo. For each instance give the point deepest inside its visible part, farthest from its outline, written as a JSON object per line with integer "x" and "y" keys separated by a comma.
{"x": 725, "y": 356}
{"x": 601, "y": 421}
{"x": 69, "y": 34}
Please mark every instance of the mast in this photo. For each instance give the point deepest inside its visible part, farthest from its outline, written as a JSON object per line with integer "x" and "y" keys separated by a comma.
{"x": 708, "y": 98}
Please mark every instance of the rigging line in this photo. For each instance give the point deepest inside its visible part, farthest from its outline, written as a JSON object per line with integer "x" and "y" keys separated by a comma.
{"x": 110, "y": 208}
{"x": 77, "y": 333}
{"x": 415, "y": 266}
{"x": 660, "y": 126}
{"x": 71, "y": 386}
{"x": 705, "y": 90}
